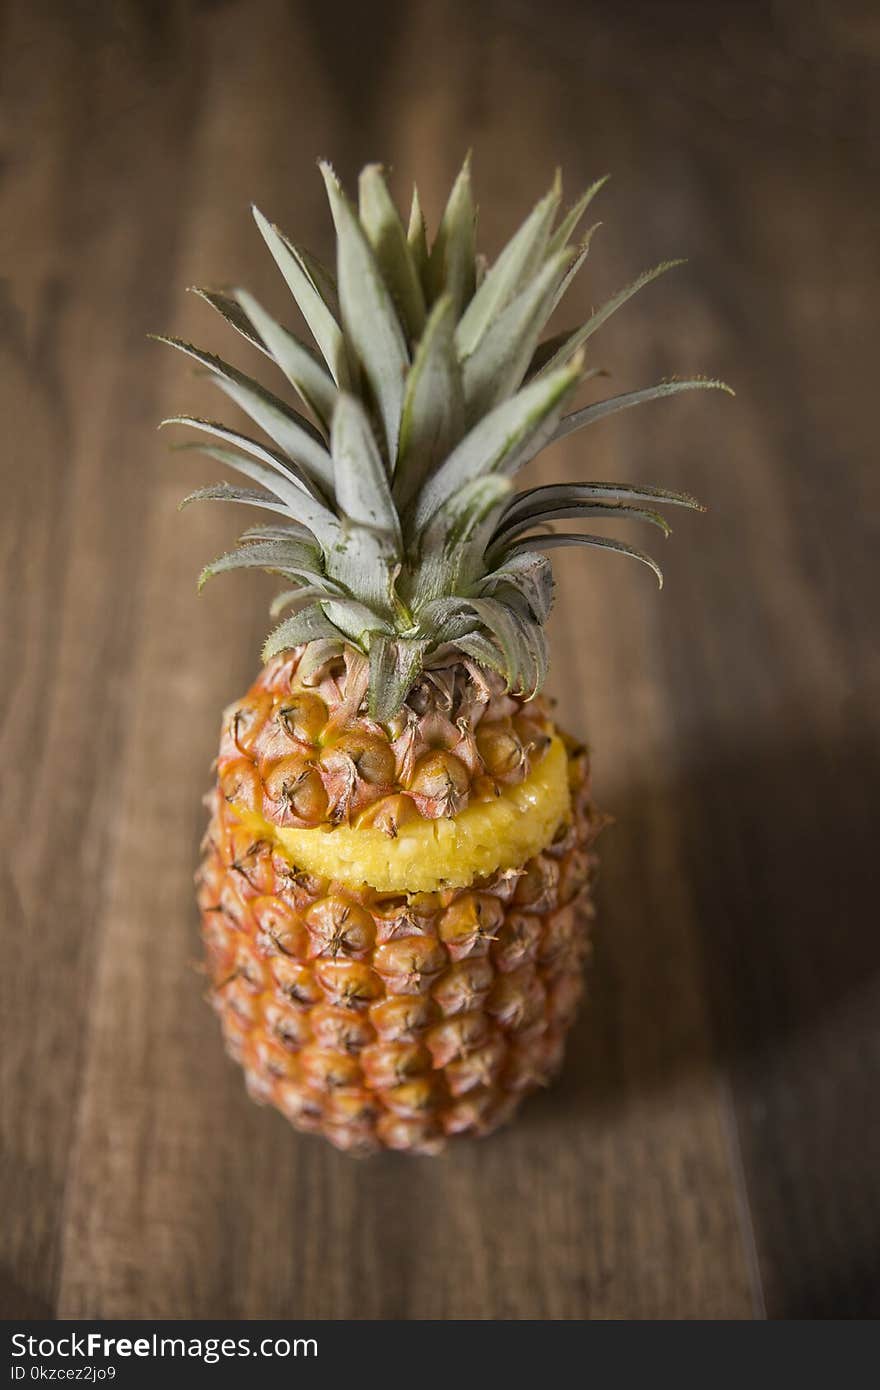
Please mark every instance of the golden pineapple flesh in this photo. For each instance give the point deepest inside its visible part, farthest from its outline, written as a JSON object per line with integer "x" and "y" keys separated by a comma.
{"x": 395, "y": 888}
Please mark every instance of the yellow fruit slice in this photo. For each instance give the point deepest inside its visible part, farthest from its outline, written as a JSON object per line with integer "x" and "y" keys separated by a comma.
{"x": 431, "y": 854}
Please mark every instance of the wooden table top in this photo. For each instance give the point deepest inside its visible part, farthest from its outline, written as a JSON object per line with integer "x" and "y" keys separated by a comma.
{"x": 713, "y": 1148}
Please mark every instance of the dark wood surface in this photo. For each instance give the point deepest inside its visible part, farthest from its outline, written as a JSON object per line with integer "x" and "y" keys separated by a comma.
{"x": 713, "y": 1149}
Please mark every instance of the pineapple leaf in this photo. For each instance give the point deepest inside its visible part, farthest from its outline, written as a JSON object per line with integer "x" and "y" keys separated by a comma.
{"x": 294, "y": 435}
{"x": 451, "y": 263}
{"x": 362, "y": 490}
{"x": 322, "y": 278}
{"x": 545, "y": 350}
{"x": 501, "y": 621}
{"x": 446, "y": 619}
{"x": 515, "y": 265}
{"x": 367, "y": 556}
{"x": 498, "y": 364}
{"x": 433, "y": 409}
{"x": 299, "y": 504}
{"x": 317, "y": 654}
{"x": 446, "y": 540}
{"x": 554, "y": 493}
{"x": 397, "y": 529}
{"x": 417, "y": 239}
{"x": 501, "y": 441}
{"x": 530, "y": 576}
{"x": 591, "y": 413}
{"x": 309, "y": 625}
{"x": 534, "y": 670}
{"x": 268, "y": 479}
{"x": 300, "y": 597}
{"x": 595, "y": 321}
{"x": 458, "y": 519}
{"x": 568, "y": 226}
{"x": 226, "y": 492}
{"x": 483, "y": 650}
{"x": 558, "y": 538}
{"x": 278, "y": 532}
{"x": 395, "y": 663}
{"x": 581, "y": 255}
{"x": 354, "y": 619}
{"x": 231, "y": 311}
{"x": 303, "y": 286}
{"x": 574, "y": 510}
{"x": 381, "y": 222}
{"x": 291, "y": 560}
{"x": 302, "y": 369}
{"x": 368, "y": 314}
{"x": 281, "y": 464}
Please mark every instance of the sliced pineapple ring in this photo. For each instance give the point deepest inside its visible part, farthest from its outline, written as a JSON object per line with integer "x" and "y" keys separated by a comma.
{"x": 431, "y": 854}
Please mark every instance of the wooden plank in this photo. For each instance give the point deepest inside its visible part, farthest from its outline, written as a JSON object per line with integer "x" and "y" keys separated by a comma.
{"x": 713, "y": 1141}
{"x": 769, "y": 666}
{"x": 80, "y": 237}
{"x": 604, "y": 1200}
{"x": 782, "y": 802}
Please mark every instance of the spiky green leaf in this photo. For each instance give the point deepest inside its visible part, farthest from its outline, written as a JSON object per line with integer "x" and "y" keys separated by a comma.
{"x": 501, "y": 441}
{"x": 293, "y": 434}
{"x": 451, "y": 263}
{"x": 298, "y": 598}
{"x": 278, "y": 532}
{"x": 601, "y": 315}
{"x": 226, "y": 492}
{"x": 515, "y": 265}
{"x": 445, "y": 545}
{"x": 395, "y": 663}
{"x": 446, "y": 619}
{"x": 501, "y": 621}
{"x": 591, "y": 413}
{"x": 554, "y": 493}
{"x": 362, "y": 490}
{"x": 528, "y": 574}
{"x": 569, "y": 223}
{"x": 562, "y": 538}
{"x": 291, "y": 560}
{"x": 574, "y": 510}
{"x": 482, "y": 649}
{"x": 278, "y": 462}
{"x": 299, "y": 505}
{"x": 417, "y": 239}
{"x": 368, "y": 313}
{"x": 433, "y": 409}
{"x": 498, "y": 364}
{"x": 356, "y": 620}
{"x": 230, "y": 310}
{"x": 302, "y": 369}
{"x": 308, "y": 626}
{"x": 381, "y": 222}
{"x": 312, "y": 305}
{"x": 581, "y": 255}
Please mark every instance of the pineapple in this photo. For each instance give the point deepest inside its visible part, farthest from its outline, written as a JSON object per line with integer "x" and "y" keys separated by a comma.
{"x": 395, "y": 889}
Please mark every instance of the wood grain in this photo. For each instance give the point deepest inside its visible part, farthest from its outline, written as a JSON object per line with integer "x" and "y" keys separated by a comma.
{"x": 712, "y": 1149}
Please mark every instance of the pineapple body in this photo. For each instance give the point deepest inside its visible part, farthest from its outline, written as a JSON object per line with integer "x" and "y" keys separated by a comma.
{"x": 394, "y": 1017}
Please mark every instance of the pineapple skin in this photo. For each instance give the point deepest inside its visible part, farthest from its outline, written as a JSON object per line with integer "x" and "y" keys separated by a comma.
{"x": 394, "y": 1020}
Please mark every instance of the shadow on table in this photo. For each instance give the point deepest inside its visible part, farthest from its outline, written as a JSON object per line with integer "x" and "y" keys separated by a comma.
{"x": 763, "y": 867}
{"x": 738, "y": 925}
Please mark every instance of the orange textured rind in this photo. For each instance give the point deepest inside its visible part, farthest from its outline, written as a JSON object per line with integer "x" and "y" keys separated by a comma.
{"x": 385, "y": 1020}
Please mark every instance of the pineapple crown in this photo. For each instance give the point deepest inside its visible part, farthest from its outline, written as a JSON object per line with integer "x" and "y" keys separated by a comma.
{"x": 399, "y": 530}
